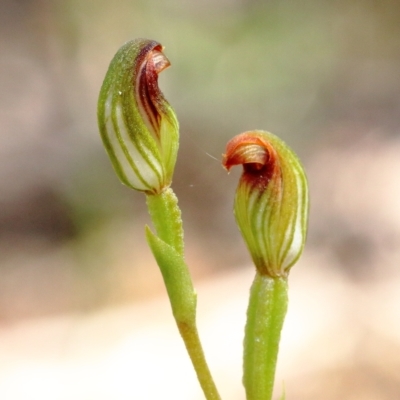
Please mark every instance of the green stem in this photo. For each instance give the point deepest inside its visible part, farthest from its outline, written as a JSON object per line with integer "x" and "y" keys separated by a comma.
{"x": 193, "y": 345}
{"x": 166, "y": 217}
{"x": 167, "y": 248}
{"x": 265, "y": 316}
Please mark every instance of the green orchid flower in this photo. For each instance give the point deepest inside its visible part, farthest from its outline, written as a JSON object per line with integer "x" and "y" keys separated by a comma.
{"x": 139, "y": 128}
{"x": 271, "y": 209}
{"x": 271, "y": 202}
{"x": 140, "y": 133}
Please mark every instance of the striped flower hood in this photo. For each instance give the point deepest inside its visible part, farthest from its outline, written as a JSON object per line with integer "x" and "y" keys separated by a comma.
{"x": 271, "y": 202}
{"x": 138, "y": 126}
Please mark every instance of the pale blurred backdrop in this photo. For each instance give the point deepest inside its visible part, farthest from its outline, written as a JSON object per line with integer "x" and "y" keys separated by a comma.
{"x": 83, "y": 311}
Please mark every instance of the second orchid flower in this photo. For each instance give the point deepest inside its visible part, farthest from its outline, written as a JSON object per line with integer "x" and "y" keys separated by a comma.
{"x": 271, "y": 203}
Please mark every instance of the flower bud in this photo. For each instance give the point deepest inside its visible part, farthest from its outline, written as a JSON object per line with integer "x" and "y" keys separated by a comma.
{"x": 138, "y": 126}
{"x": 271, "y": 202}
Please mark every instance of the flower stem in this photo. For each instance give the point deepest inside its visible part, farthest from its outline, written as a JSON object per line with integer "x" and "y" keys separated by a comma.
{"x": 167, "y": 249}
{"x": 166, "y": 217}
{"x": 192, "y": 342}
{"x": 265, "y": 316}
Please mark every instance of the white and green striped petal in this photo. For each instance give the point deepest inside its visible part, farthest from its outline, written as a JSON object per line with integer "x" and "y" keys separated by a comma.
{"x": 271, "y": 202}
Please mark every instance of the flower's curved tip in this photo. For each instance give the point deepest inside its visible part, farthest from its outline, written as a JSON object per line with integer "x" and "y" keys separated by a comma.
{"x": 160, "y": 60}
{"x": 225, "y": 163}
{"x": 250, "y": 149}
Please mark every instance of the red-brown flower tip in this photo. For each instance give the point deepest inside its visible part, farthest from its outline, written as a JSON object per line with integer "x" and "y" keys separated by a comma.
{"x": 150, "y": 62}
{"x": 256, "y": 154}
{"x": 250, "y": 149}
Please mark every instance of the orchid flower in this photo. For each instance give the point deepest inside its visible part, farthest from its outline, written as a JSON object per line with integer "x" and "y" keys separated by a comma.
{"x": 271, "y": 202}
{"x": 271, "y": 209}
{"x": 140, "y": 133}
{"x": 138, "y": 126}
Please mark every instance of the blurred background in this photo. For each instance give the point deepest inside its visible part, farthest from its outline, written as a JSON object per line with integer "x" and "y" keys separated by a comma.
{"x": 83, "y": 311}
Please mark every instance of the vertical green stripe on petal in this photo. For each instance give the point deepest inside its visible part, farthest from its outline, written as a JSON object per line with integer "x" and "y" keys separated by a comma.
{"x": 142, "y": 149}
{"x": 295, "y": 236}
{"x": 112, "y": 143}
{"x": 122, "y": 160}
{"x": 147, "y": 173}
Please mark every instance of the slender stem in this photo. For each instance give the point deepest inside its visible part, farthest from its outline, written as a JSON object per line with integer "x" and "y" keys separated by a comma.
{"x": 265, "y": 317}
{"x": 192, "y": 342}
{"x": 167, "y": 248}
{"x": 166, "y": 217}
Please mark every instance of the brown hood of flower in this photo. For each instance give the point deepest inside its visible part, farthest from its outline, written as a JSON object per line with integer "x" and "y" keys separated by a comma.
{"x": 259, "y": 159}
{"x": 151, "y": 101}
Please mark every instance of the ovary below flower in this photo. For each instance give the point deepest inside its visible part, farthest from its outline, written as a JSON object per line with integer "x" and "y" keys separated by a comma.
{"x": 138, "y": 126}
{"x": 271, "y": 202}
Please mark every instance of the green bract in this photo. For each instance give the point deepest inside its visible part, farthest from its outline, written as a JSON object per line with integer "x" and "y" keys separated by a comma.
{"x": 271, "y": 202}
{"x": 138, "y": 126}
